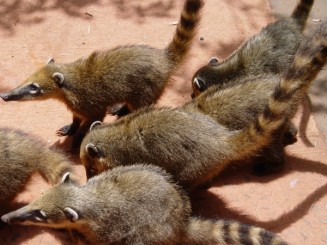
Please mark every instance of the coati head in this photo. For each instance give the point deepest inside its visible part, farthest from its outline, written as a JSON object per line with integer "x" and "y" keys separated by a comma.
{"x": 204, "y": 76}
{"x": 43, "y": 84}
{"x": 92, "y": 155}
{"x": 54, "y": 209}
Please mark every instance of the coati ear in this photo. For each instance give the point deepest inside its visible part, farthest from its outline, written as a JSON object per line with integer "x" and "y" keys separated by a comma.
{"x": 199, "y": 84}
{"x": 213, "y": 61}
{"x": 71, "y": 214}
{"x": 58, "y": 78}
{"x": 66, "y": 178}
{"x": 95, "y": 124}
{"x": 50, "y": 61}
{"x": 92, "y": 150}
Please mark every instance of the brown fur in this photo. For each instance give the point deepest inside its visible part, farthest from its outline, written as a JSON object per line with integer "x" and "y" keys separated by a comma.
{"x": 231, "y": 108}
{"x": 133, "y": 75}
{"x": 135, "y": 204}
{"x": 269, "y": 52}
{"x": 192, "y": 146}
{"x": 21, "y": 156}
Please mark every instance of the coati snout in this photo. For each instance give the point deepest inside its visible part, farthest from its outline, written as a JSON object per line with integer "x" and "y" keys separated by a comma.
{"x": 22, "y": 93}
{"x": 43, "y": 213}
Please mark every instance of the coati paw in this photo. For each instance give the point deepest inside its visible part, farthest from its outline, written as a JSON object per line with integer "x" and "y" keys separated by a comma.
{"x": 262, "y": 169}
{"x": 66, "y": 130}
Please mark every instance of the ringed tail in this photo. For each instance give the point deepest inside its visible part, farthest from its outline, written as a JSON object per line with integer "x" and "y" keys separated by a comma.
{"x": 309, "y": 59}
{"x": 302, "y": 11}
{"x": 229, "y": 232}
{"x": 185, "y": 30}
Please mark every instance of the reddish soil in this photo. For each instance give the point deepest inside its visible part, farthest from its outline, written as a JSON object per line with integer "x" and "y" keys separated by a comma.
{"x": 292, "y": 203}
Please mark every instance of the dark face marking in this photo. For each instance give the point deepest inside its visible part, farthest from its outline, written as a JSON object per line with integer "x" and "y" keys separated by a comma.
{"x": 32, "y": 89}
{"x": 21, "y": 216}
{"x": 199, "y": 84}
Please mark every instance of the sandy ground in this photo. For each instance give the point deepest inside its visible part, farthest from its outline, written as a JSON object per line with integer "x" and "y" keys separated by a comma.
{"x": 292, "y": 203}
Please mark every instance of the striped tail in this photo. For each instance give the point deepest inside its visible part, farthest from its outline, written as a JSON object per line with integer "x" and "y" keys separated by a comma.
{"x": 309, "y": 59}
{"x": 302, "y": 11}
{"x": 185, "y": 31}
{"x": 228, "y": 232}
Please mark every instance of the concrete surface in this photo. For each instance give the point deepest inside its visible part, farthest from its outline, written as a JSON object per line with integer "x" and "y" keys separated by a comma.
{"x": 292, "y": 203}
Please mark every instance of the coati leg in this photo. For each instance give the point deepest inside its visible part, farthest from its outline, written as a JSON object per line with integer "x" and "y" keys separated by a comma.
{"x": 271, "y": 158}
{"x": 70, "y": 129}
{"x": 290, "y": 134}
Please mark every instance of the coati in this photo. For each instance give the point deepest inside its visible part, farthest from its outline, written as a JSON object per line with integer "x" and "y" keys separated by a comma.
{"x": 271, "y": 51}
{"x": 22, "y": 155}
{"x": 192, "y": 146}
{"x": 137, "y": 204}
{"x": 134, "y": 75}
{"x": 236, "y": 107}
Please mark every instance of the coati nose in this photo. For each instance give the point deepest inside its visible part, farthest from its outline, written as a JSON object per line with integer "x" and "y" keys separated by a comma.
{"x": 5, "y": 97}
{"x": 5, "y": 219}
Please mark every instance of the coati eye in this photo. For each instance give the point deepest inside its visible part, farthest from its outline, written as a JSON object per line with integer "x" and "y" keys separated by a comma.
{"x": 199, "y": 84}
{"x": 37, "y": 215}
{"x": 34, "y": 88}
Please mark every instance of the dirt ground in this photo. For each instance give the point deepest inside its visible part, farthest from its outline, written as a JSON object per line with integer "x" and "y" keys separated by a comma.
{"x": 292, "y": 203}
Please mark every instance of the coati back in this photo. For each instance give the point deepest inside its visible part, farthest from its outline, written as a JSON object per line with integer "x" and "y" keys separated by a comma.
{"x": 271, "y": 51}
{"x": 21, "y": 156}
{"x": 192, "y": 146}
{"x": 132, "y": 75}
{"x": 135, "y": 204}
{"x": 235, "y": 107}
